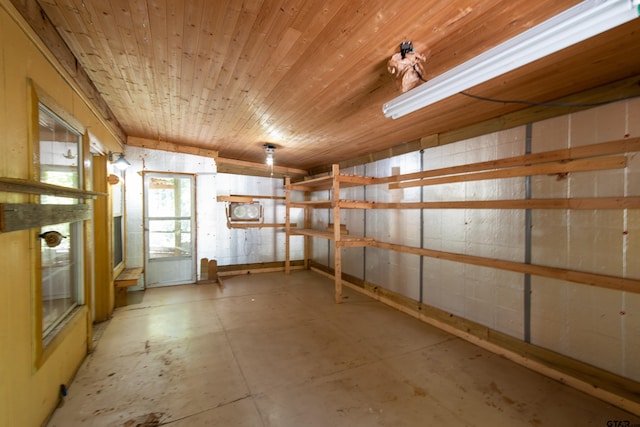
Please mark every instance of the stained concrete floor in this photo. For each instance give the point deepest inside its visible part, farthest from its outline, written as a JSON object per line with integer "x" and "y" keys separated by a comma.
{"x": 275, "y": 350}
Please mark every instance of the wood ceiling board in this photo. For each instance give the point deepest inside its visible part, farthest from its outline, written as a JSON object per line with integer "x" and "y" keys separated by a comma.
{"x": 311, "y": 77}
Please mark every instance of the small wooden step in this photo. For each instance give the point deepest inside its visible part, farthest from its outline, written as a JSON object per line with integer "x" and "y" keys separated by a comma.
{"x": 128, "y": 277}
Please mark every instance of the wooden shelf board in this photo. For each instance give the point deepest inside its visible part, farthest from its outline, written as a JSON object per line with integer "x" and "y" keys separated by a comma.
{"x": 17, "y": 185}
{"x": 311, "y": 204}
{"x": 562, "y": 155}
{"x": 347, "y": 238}
{"x": 326, "y": 182}
{"x": 559, "y": 203}
{"x": 315, "y": 183}
{"x": 618, "y": 162}
{"x": 356, "y": 204}
{"x": 235, "y": 199}
{"x": 261, "y": 225}
{"x": 354, "y": 180}
{"x": 344, "y": 204}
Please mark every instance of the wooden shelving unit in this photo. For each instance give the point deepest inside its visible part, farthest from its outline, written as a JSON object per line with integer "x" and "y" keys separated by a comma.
{"x": 602, "y": 156}
{"x": 333, "y": 182}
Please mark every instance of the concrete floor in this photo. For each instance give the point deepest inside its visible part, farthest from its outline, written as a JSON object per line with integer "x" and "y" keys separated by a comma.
{"x": 275, "y": 350}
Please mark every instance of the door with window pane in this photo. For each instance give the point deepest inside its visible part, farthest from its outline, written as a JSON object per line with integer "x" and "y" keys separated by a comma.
{"x": 169, "y": 229}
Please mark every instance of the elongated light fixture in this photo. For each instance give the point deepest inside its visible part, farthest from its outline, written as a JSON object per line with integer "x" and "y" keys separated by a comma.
{"x": 585, "y": 20}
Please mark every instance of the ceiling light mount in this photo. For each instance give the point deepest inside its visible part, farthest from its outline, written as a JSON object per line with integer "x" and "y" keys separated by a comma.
{"x": 269, "y": 150}
{"x": 406, "y": 67}
{"x": 406, "y": 47}
{"x": 583, "y": 21}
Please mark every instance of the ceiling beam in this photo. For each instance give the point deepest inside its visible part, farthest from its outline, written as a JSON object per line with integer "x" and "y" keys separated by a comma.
{"x": 153, "y": 144}
{"x": 621, "y": 89}
{"x": 35, "y": 17}
{"x": 224, "y": 165}
{"x": 241, "y": 167}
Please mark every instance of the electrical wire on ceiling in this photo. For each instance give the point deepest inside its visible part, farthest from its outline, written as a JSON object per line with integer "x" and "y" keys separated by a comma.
{"x": 543, "y": 104}
{"x": 549, "y": 104}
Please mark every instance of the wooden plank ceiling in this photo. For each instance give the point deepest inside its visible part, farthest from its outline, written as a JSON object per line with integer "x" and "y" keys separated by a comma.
{"x": 310, "y": 76}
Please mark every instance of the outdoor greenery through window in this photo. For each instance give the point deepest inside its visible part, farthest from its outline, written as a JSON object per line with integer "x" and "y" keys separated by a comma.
{"x": 169, "y": 204}
{"x": 60, "y": 161}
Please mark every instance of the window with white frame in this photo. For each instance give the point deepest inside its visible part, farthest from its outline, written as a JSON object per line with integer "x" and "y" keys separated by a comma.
{"x": 60, "y": 163}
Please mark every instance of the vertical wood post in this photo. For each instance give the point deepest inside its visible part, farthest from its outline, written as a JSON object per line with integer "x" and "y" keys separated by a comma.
{"x": 307, "y": 225}
{"x": 337, "y": 247}
{"x": 88, "y": 240}
{"x": 287, "y": 225}
{"x": 102, "y": 249}
{"x": 212, "y": 270}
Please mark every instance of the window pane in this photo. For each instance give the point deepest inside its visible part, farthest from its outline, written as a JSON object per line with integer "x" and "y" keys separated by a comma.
{"x": 169, "y": 197}
{"x": 59, "y": 272}
{"x": 169, "y": 238}
{"x": 61, "y": 264}
{"x": 60, "y": 154}
{"x": 118, "y": 244}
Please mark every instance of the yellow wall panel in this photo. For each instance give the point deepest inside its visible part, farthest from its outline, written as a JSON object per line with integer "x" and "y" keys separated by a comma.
{"x": 29, "y": 394}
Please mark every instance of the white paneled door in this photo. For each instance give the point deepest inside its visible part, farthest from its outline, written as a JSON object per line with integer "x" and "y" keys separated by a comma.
{"x": 169, "y": 221}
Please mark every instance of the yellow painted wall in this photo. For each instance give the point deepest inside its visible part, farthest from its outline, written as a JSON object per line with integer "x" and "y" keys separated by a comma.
{"x": 28, "y": 395}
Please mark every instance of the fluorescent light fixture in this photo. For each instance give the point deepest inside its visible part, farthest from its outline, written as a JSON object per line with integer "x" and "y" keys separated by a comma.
{"x": 585, "y": 20}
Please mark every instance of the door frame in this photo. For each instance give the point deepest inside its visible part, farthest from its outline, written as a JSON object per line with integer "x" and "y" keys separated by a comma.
{"x": 145, "y": 226}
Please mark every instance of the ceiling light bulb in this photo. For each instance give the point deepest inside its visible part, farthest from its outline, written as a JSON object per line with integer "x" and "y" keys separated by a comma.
{"x": 269, "y": 149}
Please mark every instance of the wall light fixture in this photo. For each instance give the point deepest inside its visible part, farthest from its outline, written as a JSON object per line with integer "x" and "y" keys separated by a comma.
{"x": 118, "y": 160}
